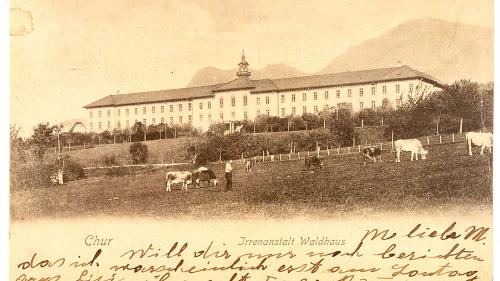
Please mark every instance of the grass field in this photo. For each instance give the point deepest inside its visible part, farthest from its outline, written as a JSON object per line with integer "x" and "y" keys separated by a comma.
{"x": 448, "y": 179}
{"x": 169, "y": 150}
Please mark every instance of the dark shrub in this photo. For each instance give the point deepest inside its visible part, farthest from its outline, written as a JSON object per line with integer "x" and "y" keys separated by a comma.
{"x": 109, "y": 160}
{"x": 117, "y": 171}
{"x": 139, "y": 153}
{"x": 31, "y": 175}
{"x": 73, "y": 171}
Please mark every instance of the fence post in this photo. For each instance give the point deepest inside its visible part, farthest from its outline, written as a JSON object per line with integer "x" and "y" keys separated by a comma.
{"x": 298, "y": 153}
{"x": 318, "y": 152}
{"x": 289, "y": 156}
{"x": 308, "y": 153}
{"x": 338, "y": 150}
{"x": 392, "y": 140}
{"x": 440, "y": 140}
{"x": 328, "y": 152}
{"x": 427, "y": 140}
{"x": 280, "y": 157}
{"x": 381, "y": 146}
{"x": 359, "y": 148}
{"x": 452, "y": 137}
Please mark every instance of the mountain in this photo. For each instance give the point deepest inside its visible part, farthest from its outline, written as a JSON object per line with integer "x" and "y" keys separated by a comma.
{"x": 448, "y": 51}
{"x": 213, "y": 75}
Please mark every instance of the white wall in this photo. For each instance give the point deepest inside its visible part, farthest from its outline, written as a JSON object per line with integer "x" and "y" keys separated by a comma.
{"x": 256, "y": 103}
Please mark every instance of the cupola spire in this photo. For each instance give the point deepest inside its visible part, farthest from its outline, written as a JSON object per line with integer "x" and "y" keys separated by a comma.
{"x": 243, "y": 71}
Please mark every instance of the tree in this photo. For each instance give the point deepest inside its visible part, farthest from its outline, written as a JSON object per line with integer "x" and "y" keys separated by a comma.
{"x": 138, "y": 131}
{"x": 369, "y": 117}
{"x": 217, "y": 129}
{"x": 192, "y": 149}
{"x": 17, "y": 146}
{"x": 296, "y": 123}
{"x": 42, "y": 139}
{"x": 342, "y": 129}
{"x": 139, "y": 153}
{"x": 312, "y": 121}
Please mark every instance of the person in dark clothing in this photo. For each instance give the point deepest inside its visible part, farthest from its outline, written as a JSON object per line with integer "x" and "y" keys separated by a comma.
{"x": 229, "y": 175}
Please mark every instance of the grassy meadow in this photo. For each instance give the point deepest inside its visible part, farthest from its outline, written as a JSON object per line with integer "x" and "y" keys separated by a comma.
{"x": 448, "y": 179}
{"x": 166, "y": 150}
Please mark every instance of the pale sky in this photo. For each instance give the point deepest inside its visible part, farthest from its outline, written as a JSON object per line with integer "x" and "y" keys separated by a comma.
{"x": 66, "y": 54}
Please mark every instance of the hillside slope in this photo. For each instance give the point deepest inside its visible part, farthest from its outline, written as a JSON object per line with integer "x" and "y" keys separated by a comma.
{"x": 446, "y": 50}
{"x": 213, "y": 75}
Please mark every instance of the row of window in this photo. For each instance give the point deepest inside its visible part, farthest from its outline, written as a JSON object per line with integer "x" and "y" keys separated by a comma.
{"x": 153, "y": 110}
{"x": 144, "y": 122}
{"x": 233, "y": 115}
{"x": 349, "y": 93}
{"x": 245, "y": 101}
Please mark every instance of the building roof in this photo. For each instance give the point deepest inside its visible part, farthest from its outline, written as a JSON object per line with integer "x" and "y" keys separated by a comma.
{"x": 240, "y": 83}
{"x": 352, "y": 77}
{"x": 154, "y": 96}
{"x": 269, "y": 85}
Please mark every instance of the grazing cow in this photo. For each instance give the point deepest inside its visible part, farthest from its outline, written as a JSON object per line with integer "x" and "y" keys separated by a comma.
{"x": 248, "y": 166}
{"x": 479, "y": 139}
{"x": 205, "y": 175}
{"x": 372, "y": 153}
{"x": 313, "y": 162}
{"x": 414, "y": 146}
{"x": 183, "y": 177}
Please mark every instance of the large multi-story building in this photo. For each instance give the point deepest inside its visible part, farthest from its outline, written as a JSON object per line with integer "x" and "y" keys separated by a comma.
{"x": 244, "y": 98}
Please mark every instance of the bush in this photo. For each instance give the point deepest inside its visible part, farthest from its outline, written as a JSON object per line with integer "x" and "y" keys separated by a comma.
{"x": 72, "y": 171}
{"x": 139, "y": 153}
{"x": 31, "y": 176}
{"x": 117, "y": 171}
{"x": 109, "y": 160}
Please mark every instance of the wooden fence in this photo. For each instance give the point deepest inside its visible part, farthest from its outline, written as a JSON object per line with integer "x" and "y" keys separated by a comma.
{"x": 332, "y": 152}
{"x": 329, "y": 152}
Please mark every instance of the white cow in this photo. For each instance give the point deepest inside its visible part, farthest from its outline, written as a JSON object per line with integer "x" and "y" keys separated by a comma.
{"x": 183, "y": 177}
{"x": 414, "y": 146}
{"x": 479, "y": 139}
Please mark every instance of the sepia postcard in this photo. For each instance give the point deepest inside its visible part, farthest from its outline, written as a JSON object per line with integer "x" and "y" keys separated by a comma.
{"x": 251, "y": 140}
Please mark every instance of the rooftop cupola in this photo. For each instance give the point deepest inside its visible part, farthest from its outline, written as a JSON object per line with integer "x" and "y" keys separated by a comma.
{"x": 243, "y": 71}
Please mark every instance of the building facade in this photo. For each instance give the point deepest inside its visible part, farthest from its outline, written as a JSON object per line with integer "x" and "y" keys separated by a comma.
{"x": 244, "y": 98}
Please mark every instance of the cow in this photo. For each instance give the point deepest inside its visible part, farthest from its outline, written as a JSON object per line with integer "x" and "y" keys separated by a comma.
{"x": 371, "y": 153}
{"x": 313, "y": 162}
{"x": 248, "y": 166}
{"x": 183, "y": 177}
{"x": 484, "y": 140}
{"x": 203, "y": 174}
{"x": 414, "y": 146}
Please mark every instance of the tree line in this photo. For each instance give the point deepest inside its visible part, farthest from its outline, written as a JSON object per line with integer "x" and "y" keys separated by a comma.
{"x": 462, "y": 105}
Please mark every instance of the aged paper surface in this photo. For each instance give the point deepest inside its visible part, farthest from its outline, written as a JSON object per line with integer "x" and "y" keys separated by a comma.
{"x": 215, "y": 140}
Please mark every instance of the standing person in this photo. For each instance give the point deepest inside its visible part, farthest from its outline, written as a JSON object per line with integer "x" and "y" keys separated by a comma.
{"x": 229, "y": 175}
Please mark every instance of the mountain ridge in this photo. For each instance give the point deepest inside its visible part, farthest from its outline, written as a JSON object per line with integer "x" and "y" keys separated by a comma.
{"x": 446, "y": 50}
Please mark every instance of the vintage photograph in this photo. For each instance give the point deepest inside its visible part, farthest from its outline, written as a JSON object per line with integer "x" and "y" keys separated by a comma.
{"x": 250, "y": 109}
